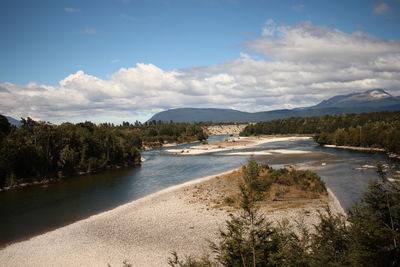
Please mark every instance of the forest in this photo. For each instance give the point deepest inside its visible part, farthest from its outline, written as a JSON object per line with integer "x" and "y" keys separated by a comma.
{"x": 374, "y": 130}
{"x": 38, "y": 150}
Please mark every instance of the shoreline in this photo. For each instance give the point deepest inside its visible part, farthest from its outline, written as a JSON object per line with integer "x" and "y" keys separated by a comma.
{"x": 165, "y": 145}
{"x": 390, "y": 154}
{"x": 144, "y": 231}
{"x": 69, "y": 240}
{"x": 356, "y": 148}
{"x": 47, "y": 181}
{"x": 335, "y": 201}
{"x": 151, "y": 196}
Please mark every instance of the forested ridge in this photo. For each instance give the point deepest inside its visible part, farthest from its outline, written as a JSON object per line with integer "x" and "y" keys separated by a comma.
{"x": 375, "y": 129}
{"x": 39, "y": 150}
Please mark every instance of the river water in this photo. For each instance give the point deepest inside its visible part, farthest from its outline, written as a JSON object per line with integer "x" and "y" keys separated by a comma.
{"x": 37, "y": 209}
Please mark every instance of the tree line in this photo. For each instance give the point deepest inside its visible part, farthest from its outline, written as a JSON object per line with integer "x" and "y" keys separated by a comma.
{"x": 156, "y": 133}
{"x": 375, "y": 129}
{"x": 40, "y": 150}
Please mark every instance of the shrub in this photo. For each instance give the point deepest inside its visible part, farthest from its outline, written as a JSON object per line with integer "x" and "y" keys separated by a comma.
{"x": 285, "y": 179}
{"x": 368, "y": 237}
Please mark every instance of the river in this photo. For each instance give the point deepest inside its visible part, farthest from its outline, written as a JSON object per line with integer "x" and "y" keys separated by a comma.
{"x": 37, "y": 209}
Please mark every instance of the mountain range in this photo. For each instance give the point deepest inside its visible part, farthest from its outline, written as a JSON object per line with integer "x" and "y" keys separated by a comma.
{"x": 368, "y": 101}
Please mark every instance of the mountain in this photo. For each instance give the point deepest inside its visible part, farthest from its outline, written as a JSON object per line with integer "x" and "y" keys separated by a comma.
{"x": 375, "y": 98}
{"x": 368, "y": 101}
{"x": 13, "y": 121}
{"x": 202, "y": 114}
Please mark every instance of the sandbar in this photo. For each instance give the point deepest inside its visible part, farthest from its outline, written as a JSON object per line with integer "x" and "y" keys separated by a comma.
{"x": 232, "y": 144}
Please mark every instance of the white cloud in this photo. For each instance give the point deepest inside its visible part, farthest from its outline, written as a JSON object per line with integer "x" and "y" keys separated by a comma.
{"x": 306, "y": 64}
{"x": 71, "y": 10}
{"x": 307, "y": 42}
{"x": 381, "y": 8}
{"x": 269, "y": 28}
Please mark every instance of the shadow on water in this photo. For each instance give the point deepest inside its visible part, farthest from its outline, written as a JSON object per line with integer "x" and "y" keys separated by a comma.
{"x": 37, "y": 209}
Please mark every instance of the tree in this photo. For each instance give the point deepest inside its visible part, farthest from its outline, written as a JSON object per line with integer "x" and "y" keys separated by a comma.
{"x": 375, "y": 225}
{"x": 201, "y": 136}
{"x": 5, "y": 127}
{"x": 329, "y": 243}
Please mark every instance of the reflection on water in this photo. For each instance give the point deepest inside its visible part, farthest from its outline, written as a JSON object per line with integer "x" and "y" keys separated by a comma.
{"x": 37, "y": 209}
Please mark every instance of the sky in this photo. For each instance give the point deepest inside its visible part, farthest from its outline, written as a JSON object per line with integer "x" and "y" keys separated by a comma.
{"x": 125, "y": 60}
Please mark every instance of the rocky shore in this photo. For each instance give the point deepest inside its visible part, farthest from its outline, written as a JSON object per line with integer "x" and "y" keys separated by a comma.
{"x": 143, "y": 232}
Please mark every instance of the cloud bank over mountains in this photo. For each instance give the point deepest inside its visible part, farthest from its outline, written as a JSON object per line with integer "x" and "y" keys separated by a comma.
{"x": 288, "y": 66}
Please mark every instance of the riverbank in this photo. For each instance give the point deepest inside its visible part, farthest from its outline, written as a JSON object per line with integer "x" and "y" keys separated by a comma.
{"x": 47, "y": 181}
{"x": 390, "y": 154}
{"x": 225, "y": 129}
{"x": 167, "y": 144}
{"x": 144, "y": 232}
{"x": 356, "y": 148}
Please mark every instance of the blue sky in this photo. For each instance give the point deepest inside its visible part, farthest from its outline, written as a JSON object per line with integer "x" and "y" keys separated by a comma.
{"x": 46, "y": 41}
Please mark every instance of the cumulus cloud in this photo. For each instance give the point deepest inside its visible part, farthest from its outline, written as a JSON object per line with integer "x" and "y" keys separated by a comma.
{"x": 269, "y": 28}
{"x": 3, "y": 89}
{"x": 380, "y": 8}
{"x": 305, "y": 64}
{"x": 310, "y": 43}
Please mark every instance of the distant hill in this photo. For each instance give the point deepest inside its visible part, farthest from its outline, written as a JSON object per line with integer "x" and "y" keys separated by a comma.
{"x": 376, "y": 98}
{"x": 368, "y": 101}
{"x": 13, "y": 121}
{"x": 202, "y": 114}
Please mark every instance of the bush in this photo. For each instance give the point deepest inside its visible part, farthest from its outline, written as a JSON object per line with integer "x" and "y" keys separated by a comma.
{"x": 368, "y": 237}
{"x": 275, "y": 174}
{"x": 308, "y": 181}
{"x": 285, "y": 179}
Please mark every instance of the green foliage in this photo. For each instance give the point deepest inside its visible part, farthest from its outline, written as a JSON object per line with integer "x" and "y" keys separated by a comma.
{"x": 376, "y": 129}
{"x": 248, "y": 240}
{"x": 329, "y": 243}
{"x": 304, "y": 179}
{"x": 190, "y": 261}
{"x": 156, "y": 133}
{"x": 293, "y": 248}
{"x": 201, "y": 136}
{"x": 369, "y": 236}
{"x": 308, "y": 180}
{"x": 251, "y": 171}
{"x": 258, "y": 185}
{"x": 5, "y": 127}
{"x": 276, "y": 174}
{"x": 375, "y": 227}
{"x": 40, "y": 150}
{"x": 255, "y": 185}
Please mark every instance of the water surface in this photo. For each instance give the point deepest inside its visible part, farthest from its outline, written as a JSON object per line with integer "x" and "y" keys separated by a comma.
{"x": 36, "y": 209}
